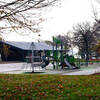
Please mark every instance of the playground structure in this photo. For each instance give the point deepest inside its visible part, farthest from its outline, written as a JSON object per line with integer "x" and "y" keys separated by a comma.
{"x": 58, "y": 57}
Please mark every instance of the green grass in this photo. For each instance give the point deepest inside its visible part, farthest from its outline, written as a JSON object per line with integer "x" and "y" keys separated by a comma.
{"x": 49, "y": 87}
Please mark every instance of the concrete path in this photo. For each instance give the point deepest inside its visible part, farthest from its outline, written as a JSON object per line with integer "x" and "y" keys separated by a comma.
{"x": 18, "y": 68}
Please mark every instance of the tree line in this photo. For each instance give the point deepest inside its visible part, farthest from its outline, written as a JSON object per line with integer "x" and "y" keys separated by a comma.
{"x": 85, "y": 37}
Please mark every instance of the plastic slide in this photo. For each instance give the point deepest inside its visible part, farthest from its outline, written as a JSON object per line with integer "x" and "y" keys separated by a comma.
{"x": 68, "y": 64}
{"x": 45, "y": 63}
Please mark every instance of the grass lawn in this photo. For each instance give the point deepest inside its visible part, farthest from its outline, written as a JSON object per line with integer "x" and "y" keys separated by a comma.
{"x": 49, "y": 87}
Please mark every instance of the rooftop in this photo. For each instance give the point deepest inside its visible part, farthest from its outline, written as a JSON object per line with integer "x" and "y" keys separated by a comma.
{"x": 28, "y": 45}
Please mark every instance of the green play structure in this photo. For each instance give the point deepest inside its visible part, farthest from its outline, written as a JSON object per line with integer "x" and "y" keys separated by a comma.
{"x": 58, "y": 57}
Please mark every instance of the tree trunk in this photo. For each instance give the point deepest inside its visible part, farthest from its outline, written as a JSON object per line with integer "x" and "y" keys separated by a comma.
{"x": 87, "y": 55}
{"x": 6, "y": 58}
{"x": 87, "y": 52}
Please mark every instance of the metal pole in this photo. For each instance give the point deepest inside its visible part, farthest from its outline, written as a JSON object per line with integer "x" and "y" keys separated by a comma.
{"x": 61, "y": 54}
{"x": 53, "y": 55}
{"x": 32, "y": 57}
{"x": 56, "y": 57}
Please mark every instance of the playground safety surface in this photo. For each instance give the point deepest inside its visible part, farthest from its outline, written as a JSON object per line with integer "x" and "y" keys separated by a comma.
{"x": 17, "y": 68}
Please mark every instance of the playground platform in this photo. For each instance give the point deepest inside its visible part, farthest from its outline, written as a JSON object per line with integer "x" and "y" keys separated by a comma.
{"x": 17, "y": 68}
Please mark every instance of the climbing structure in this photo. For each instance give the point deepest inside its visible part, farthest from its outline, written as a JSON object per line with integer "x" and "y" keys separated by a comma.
{"x": 60, "y": 57}
{"x": 30, "y": 59}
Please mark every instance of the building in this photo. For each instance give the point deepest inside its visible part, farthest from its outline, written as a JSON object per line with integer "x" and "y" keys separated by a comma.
{"x": 17, "y": 51}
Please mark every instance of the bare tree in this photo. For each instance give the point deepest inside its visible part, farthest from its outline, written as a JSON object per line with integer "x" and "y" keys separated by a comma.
{"x": 96, "y": 27}
{"x": 85, "y": 39}
{"x": 66, "y": 41}
{"x": 6, "y": 51}
{"x": 21, "y": 14}
{"x": 96, "y": 31}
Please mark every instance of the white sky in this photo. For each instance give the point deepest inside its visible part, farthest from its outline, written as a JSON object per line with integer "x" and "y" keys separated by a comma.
{"x": 60, "y": 20}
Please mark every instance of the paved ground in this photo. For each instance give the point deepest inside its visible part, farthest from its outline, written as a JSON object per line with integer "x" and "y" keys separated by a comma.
{"x": 11, "y": 68}
{"x": 18, "y": 68}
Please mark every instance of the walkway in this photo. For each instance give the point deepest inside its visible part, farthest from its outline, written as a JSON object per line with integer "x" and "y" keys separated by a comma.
{"x": 18, "y": 68}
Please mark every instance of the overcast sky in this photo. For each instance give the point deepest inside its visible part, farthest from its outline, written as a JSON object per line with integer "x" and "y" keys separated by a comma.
{"x": 60, "y": 20}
